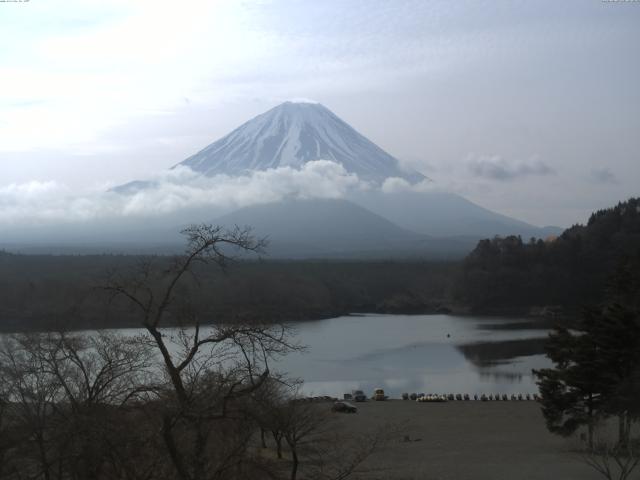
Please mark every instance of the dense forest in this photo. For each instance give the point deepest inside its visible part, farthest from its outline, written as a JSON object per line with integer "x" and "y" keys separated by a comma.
{"x": 500, "y": 276}
{"x": 39, "y": 291}
{"x": 509, "y": 274}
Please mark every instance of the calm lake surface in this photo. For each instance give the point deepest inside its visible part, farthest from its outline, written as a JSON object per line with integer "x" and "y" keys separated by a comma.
{"x": 414, "y": 353}
{"x": 417, "y": 353}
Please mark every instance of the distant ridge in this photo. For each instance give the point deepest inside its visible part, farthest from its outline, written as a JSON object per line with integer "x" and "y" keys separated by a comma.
{"x": 444, "y": 214}
{"x": 338, "y": 228}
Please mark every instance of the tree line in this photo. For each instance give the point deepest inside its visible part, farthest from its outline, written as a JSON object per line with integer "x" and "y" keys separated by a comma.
{"x": 511, "y": 274}
{"x": 53, "y": 292}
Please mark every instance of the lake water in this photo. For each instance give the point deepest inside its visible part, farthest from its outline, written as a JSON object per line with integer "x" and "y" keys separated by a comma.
{"x": 417, "y": 353}
{"x": 413, "y": 353}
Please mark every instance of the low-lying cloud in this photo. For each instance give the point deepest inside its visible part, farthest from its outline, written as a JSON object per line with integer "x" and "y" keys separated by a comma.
{"x": 397, "y": 184}
{"x": 602, "y": 176}
{"x": 38, "y": 202}
{"x": 497, "y": 168}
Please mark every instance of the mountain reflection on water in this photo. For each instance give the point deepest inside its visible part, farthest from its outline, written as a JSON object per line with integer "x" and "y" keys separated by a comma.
{"x": 485, "y": 354}
{"x": 418, "y": 353}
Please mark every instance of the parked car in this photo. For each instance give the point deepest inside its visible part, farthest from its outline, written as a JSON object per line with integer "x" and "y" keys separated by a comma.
{"x": 343, "y": 407}
{"x": 378, "y": 394}
{"x": 358, "y": 396}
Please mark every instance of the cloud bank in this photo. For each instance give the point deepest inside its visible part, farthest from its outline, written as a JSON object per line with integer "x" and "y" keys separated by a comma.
{"x": 37, "y": 203}
{"x": 397, "y": 184}
{"x": 497, "y": 168}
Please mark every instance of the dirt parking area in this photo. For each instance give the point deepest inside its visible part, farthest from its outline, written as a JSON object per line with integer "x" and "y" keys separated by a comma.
{"x": 465, "y": 440}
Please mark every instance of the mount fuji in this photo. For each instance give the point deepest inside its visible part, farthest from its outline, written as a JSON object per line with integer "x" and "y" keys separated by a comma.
{"x": 293, "y": 134}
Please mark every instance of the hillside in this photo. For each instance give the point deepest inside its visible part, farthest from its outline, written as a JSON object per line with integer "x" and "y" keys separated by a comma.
{"x": 571, "y": 270}
{"x": 336, "y": 228}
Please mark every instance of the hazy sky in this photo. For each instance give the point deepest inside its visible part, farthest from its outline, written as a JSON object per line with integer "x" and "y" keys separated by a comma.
{"x": 528, "y": 108}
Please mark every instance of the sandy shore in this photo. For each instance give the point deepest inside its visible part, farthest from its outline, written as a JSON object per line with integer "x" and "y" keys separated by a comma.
{"x": 466, "y": 440}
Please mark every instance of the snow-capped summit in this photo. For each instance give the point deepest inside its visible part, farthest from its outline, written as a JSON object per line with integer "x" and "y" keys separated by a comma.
{"x": 303, "y": 100}
{"x": 293, "y": 134}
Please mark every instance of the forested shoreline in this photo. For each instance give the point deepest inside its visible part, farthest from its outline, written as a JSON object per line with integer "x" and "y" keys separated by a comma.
{"x": 509, "y": 276}
{"x": 56, "y": 292}
{"x": 568, "y": 272}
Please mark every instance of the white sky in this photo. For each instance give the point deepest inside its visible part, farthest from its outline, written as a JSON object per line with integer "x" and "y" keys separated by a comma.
{"x": 528, "y": 108}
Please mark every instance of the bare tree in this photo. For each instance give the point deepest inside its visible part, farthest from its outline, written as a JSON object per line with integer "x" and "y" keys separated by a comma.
{"x": 315, "y": 446}
{"x": 613, "y": 462}
{"x": 5, "y": 437}
{"x": 336, "y": 455}
{"x": 266, "y": 405}
{"x": 301, "y": 422}
{"x": 212, "y": 370}
{"x": 33, "y": 396}
{"x": 66, "y": 392}
{"x": 98, "y": 369}
{"x": 98, "y": 374}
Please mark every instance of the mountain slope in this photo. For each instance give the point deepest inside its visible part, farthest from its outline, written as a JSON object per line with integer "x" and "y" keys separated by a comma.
{"x": 445, "y": 214}
{"x": 290, "y": 135}
{"x": 334, "y": 228}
